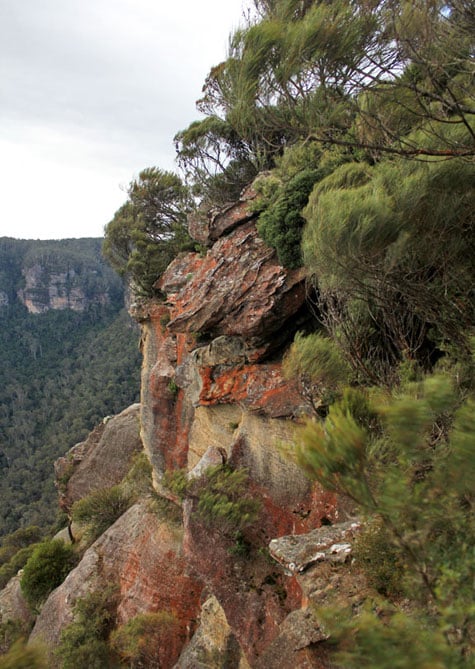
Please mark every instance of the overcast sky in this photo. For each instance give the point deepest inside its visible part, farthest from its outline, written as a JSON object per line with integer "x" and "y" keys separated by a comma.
{"x": 91, "y": 92}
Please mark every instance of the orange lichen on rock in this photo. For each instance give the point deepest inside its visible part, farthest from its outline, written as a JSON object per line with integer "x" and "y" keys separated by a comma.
{"x": 257, "y": 387}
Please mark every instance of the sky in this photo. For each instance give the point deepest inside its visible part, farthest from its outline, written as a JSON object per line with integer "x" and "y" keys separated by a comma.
{"x": 91, "y": 92}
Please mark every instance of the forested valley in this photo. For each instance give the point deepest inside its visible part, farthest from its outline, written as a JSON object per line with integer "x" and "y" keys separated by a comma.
{"x": 61, "y": 372}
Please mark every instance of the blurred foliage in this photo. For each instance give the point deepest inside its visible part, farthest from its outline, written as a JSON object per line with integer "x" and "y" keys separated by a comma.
{"x": 22, "y": 656}
{"x": 413, "y": 473}
{"x": 142, "y": 640}
{"x": 391, "y": 250}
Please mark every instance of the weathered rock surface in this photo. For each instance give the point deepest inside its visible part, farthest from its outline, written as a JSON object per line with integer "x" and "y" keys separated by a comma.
{"x": 45, "y": 290}
{"x": 166, "y": 414}
{"x": 102, "y": 460}
{"x": 142, "y": 554}
{"x": 238, "y": 288}
{"x": 298, "y": 644}
{"x": 329, "y": 543}
{"x": 13, "y": 605}
{"x": 212, "y": 392}
{"x": 320, "y": 562}
{"x": 213, "y": 645}
{"x": 208, "y": 226}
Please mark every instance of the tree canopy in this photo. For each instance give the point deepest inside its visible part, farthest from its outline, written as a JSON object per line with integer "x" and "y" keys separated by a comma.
{"x": 149, "y": 229}
{"x": 361, "y": 74}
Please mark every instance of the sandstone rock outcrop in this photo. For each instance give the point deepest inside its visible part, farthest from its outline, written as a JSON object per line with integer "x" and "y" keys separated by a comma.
{"x": 141, "y": 554}
{"x": 13, "y": 605}
{"x": 102, "y": 460}
{"x": 213, "y": 392}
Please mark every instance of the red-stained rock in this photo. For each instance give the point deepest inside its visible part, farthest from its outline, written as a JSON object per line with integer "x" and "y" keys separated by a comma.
{"x": 166, "y": 416}
{"x": 142, "y": 554}
{"x": 256, "y": 387}
{"x": 228, "y": 218}
{"x": 213, "y": 646}
{"x": 247, "y": 590}
{"x": 227, "y": 400}
{"x": 255, "y": 596}
{"x": 238, "y": 288}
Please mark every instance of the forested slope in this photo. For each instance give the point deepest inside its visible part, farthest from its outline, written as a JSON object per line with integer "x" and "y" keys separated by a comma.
{"x": 61, "y": 371}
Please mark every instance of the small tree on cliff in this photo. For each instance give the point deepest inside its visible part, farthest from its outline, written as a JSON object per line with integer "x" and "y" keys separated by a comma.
{"x": 149, "y": 229}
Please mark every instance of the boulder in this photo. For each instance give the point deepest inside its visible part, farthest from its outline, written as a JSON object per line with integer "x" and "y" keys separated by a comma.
{"x": 102, "y": 460}
{"x": 238, "y": 288}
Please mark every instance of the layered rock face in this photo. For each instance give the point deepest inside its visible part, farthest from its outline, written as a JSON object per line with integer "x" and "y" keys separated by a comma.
{"x": 213, "y": 393}
{"x": 102, "y": 460}
{"x": 45, "y": 290}
{"x": 141, "y": 554}
{"x": 56, "y": 274}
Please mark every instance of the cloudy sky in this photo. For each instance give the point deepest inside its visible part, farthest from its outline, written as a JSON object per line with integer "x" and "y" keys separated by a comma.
{"x": 91, "y": 92}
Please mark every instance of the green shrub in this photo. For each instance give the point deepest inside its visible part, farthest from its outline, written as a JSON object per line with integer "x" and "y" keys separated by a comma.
{"x": 22, "y": 537}
{"x": 140, "y": 641}
{"x": 17, "y": 562}
{"x": 84, "y": 642}
{"x": 176, "y": 480}
{"x": 223, "y": 499}
{"x": 101, "y": 509}
{"x": 415, "y": 473}
{"x": 172, "y": 387}
{"x": 21, "y": 656}
{"x": 380, "y": 559}
{"x": 47, "y": 567}
{"x": 380, "y": 638}
{"x": 281, "y": 224}
{"x": 10, "y": 632}
{"x": 138, "y": 480}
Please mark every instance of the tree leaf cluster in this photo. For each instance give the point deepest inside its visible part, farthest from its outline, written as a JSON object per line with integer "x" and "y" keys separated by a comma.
{"x": 221, "y": 494}
{"x": 413, "y": 477}
{"x": 378, "y": 78}
{"x": 84, "y": 643}
{"x": 391, "y": 248}
{"x": 46, "y": 568}
{"x": 149, "y": 229}
{"x": 141, "y": 641}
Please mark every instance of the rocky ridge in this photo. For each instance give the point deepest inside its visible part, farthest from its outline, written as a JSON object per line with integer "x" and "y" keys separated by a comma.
{"x": 213, "y": 392}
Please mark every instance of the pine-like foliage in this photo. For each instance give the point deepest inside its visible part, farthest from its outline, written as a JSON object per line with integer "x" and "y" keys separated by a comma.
{"x": 391, "y": 248}
{"x": 413, "y": 472}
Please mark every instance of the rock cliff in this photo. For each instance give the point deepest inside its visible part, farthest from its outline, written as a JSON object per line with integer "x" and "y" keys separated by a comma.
{"x": 213, "y": 393}
{"x": 56, "y": 275}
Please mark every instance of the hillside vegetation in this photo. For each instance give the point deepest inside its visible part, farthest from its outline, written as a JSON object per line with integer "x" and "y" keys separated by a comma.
{"x": 61, "y": 372}
{"x": 355, "y": 121}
